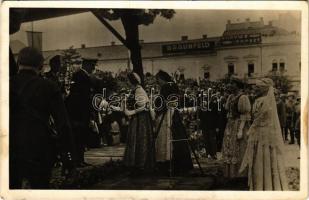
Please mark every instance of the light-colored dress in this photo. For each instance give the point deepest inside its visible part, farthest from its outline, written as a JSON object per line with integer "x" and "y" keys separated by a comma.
{"x": 264, "y": 157}
{"x": 163, "y": 145}
{"x": 171, "y": 143}
{"x": 233, "y": 149}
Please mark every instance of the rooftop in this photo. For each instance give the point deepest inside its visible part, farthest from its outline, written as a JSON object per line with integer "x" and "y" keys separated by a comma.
{"x": 154, "y": 49}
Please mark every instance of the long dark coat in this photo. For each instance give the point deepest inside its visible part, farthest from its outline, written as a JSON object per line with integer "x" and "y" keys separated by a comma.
{"x": 32, "y": 101}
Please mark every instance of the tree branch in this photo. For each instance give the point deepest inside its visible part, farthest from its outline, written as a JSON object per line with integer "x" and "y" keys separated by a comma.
{"x": 110, "y": 28}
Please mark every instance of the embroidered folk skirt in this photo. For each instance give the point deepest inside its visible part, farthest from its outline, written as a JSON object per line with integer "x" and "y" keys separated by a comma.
{"x": 140, "y": 149}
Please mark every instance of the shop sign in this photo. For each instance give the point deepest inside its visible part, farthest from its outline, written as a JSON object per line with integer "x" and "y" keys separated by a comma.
{"x": 241, "y": 39}
{"x": 188, "y": 47}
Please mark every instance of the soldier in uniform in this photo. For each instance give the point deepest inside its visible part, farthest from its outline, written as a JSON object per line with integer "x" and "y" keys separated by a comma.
{"x": 290, "y": 113}
{"x": 32, "y": 101}
{"x": 79, "y": 106}
{"x": 281, "y": 109}
{"x": 55, "y": 65}
{"x": 297, "y": 120}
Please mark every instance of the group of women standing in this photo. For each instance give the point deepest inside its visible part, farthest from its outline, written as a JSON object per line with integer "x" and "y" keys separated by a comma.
{"x": 252, "y": 145}
{"x": 253, "y": 149}
{"x": 156, "y": 141}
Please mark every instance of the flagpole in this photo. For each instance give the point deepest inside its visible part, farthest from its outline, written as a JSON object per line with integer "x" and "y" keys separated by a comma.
{"x": 32, "y": 34}
{"x": 129, "y": 60}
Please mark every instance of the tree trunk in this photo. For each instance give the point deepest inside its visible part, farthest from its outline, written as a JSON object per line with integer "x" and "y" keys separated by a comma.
{"x": 130, "y": 24}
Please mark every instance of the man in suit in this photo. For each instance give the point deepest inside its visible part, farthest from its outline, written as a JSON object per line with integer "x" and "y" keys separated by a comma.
{"x": 79, "y": 105}
{"x": 55, "y": 64}
{"x": 281, "y": 109}
{"x": 53, "y": 74}
{"x": 33, "y": 100}
{"x": 290, "y": 113}
{"x": 297, "y": 120}
{"x": 209, "y": 124}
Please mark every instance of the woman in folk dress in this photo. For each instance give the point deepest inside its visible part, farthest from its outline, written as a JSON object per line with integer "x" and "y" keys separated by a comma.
{"x": 235, "y": 137}
{"x": 172, "y": 148}
{"x": 140, "y": 150}
{"x": 264, "y": 156}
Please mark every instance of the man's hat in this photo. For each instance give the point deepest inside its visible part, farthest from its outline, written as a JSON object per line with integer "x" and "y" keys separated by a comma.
{"x": 89, "y": 61}
{"x": 56, "y": 60}
{"x": 30, "y": 56}
{"x": 164, "y": 76}
{"x": 240, "y": 83}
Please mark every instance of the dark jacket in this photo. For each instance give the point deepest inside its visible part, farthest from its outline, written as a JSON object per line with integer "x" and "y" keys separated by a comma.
{"x": 281, "y": 109}
{"x": 210, "y": 119}
{"x": 32, "y": 101}
{"x": 79, "y": 100}
{"x": 168, "y": 90}
{"x": 52, "y": 76}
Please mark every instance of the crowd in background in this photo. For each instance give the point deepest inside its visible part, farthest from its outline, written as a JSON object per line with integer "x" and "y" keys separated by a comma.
{"x": 81, "y": 127}
{"x": 109, "y": 127}
{"x": 288, "y": 104}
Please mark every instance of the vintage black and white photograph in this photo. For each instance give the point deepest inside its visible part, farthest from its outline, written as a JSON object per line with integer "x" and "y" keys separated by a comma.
{"x": 155, "y": 99}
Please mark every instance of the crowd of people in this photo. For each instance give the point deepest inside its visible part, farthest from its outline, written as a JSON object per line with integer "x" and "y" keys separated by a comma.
{"x": 50, "y": 123}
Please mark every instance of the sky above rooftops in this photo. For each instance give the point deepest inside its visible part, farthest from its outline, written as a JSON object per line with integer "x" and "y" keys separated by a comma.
{"x": 63, "y": 32}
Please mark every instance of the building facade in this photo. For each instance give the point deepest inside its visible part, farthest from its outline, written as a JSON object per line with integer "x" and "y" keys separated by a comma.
{"x": 246, "y": 49}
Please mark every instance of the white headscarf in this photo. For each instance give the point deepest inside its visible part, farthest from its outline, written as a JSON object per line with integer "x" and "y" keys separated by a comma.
{"x": 274, "y": 136}
{"x": 264, "y": 82}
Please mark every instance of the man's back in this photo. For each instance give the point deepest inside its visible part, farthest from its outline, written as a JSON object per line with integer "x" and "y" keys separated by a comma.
{"x": 32, "y": 101}
{"x": 79, "y": 100}
{"x": 37, "y": 93}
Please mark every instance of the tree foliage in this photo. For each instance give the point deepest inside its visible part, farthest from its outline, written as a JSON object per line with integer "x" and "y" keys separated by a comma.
{"x": 70, "y": 60}
{"x": 144, "y": 16}
{"x": 131, "y": 19}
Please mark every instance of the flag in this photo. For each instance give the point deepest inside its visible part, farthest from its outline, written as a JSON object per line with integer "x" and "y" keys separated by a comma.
{"x": 35, "y": 39}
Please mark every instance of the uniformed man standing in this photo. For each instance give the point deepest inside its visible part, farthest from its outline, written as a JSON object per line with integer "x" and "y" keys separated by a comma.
{"x": 281, "y": 109}
{"x": 79, "y": 106}
{"x": 53, "y": 74}
{"x": 290, "y": 113}
{"x": 55, "y": 64}
{"x": 33, "y": 100}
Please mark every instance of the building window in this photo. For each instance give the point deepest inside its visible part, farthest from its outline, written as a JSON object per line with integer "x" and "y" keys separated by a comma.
{"x": 206, "y": 75}
{"x": 274, "y": 66}
{"x": 282, "y": 66}
{"x": 250, "y": 69}
{"x": 182, "y": 76}
{"x": 231, "y": 68}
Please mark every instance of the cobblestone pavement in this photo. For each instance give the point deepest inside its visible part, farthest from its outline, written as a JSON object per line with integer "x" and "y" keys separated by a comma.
{"x": 210, "y": 180}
